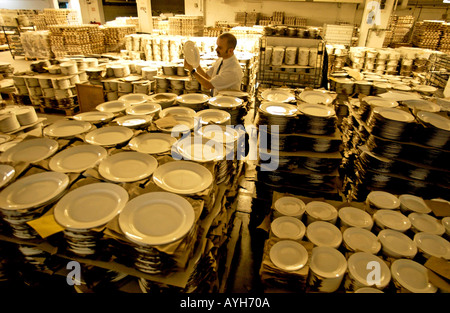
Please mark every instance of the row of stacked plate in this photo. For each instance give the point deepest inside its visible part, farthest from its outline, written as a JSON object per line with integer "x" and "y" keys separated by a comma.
{"x": 328, "y": 246}
{"x": 301, "y": 135}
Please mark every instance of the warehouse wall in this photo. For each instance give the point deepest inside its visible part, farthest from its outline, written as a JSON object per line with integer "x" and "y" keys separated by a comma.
{"x": 316, "y": 13}
{"x": 26, "y": 4}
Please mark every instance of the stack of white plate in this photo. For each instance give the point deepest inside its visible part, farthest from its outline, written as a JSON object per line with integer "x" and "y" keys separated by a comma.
{"x": 377, "y": 200}
{"x": 128, "y": 166}
{"x": 134, "y": 98}
{"x": 152, "y": 143}
{"x": 26, "y": 115}
{"x": 368, "y": 103}
{"x": 327, "y": 268}
{"x": 278, "y": 95}
{"x": 421, "y": 222}
{"x": 289, "y": 206}
{"x": 317, "y": 119}
{"x": 77, "y": 159}
{"x": 183, "y": 177}
{"x": 396, "y": 244}
{"x": 26, "y": 198}
{"x": 320, "y": 211}
{"x": 390, "y": 123}
{"x": 422, "y": 105}
{"x": 94, "y": 117}
{"x": 390, "y": 219}
{"x": 154, "y": 219}
{"x": 279, "y": 114}
{"x": 287, "y": 227}
{"x": 115, "y": 106}
{"x": 34, "y": 256}
{"x": 85, "y": 208}
{"x": 410, "y": 276}
{"x": 430, "y": 245}
{"x": 147, "y": 108}
{"x": 354, "y": 217}
{"x": 411, "y": 203}
{"x": 9, "y": 122}
{"x": 359, "y": 270}
{"x": 177, "y": 111}
{"x": 232, "y": 105}
{"x": 214, "y": 117}
{"x": 164, "y": 99}
{"x": 437, "y": 131}
{"x": 134, "y": 121}
{"x": 195, "y": 101}
{"x": 185, "y": 124}
{"x": 288, "y": 255}
{"x": 198, "y": 149}
{"x": 109, "y": 136}
{"x": 359, "y": 239}
{"x": 324, "y": 234}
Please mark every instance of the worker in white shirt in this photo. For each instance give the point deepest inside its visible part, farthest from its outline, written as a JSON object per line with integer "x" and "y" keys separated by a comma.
{"x": 226, "y": 73}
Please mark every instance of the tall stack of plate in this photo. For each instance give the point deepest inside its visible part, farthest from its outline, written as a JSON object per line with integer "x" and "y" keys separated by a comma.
{"x": 391, "y": 123}
{"x": 84, "y": 209}
{"x": 368, "y": 103}
{"x": 317, "y": 119}
{"x": 156, "y": 219}
{"x": 233, "y": 105}
{"x": 279, "y": 114}
{"x": 195, "y": 101}
{"x": 27, "y": 198}
{"x": 436, "y": 132}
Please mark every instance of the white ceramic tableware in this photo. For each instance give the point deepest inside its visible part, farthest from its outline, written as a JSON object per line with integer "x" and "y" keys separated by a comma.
{"x": 289, "y": 206}
{"x": 66, "y": 128}
{"x": 395, "y": 220}
{"x": 320, "y": 211}
{"x": 396, "y": 244}
{"x": 354, "y": 217}
{"x": 421, "y": 222}
{"x": 411, "y": 203}
{"x": 30, "y": 150}
{"x": 432, "y": 245}
{"x": 411, "y": 276}
{"x": 359, "y": 239}
{"x": 287, "y": 227}
{"x": 109, "y": 136}
{"x": 77, "y": 158}
{"x": 152, "y": 143}
{"x": 327, "y": 268}
{"x": 324, "y": 234}
{"x": 288, "y": 255}
{"x": 360, "y": 266}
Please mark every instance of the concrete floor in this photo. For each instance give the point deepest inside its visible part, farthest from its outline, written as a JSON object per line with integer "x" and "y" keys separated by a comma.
{"x": 243, "y": 277}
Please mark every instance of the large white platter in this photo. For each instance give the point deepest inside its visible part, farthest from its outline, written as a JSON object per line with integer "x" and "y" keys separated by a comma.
{"x": 182, "y": 177}
{"x": 109, "y": 136}
{"x": 33, "y": 191}
{"x": 152, "y": 143}
{"x": 156, "y": 218}
{"x": 127, "y": 166}
{"x": 77, "y": 159}
{"x": 90, "y": 206}
{"x": 67, "y": 128}
{"x": 32, "y": 150}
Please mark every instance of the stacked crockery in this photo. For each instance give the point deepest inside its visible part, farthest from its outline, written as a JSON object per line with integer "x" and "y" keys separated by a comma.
{"x": 436, "y": 132}
{"x": 390, "y": 123}
{"x": 281, "y": 114}
{"x": 232, "y": 105}
{"x": 27, "y": 198}
{"x": 84, "y": 209}
{"x": 195, "y": 101}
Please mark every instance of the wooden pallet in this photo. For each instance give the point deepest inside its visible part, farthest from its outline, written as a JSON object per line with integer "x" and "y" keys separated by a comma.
{"x": 66, "y": 112}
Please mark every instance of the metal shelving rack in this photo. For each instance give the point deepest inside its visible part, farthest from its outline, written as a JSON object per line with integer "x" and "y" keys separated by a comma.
{"x": 439, "y": 70}
{"x": 12, "y": 34}
{"x": 291, "y": 75}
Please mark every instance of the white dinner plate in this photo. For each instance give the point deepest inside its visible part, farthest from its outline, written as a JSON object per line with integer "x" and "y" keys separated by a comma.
{"x": 91, "y": 205}
{"x": 321, "y": 210}
{"x": 425, "y": 88}
{"x": 109, "y": 136}
{"x": 278, "y": 95}
{"x": 226, "y": 102}
{"x": 156, "y": 218}
{"x": 397, "y": 244}
{"x": 128, "y": 166}
{"x": 413, "y": 203}
{"x": 134, "y": 98}
{"x": 143, "y": 109}
{"x": 33, "y": 191}
{"x": 324, "y": 234}
{"x": 30, "y": 150}
{"x": 360, "y": 239}
{"x": 278, "y": 108}
{"x": 220, "y": 133}
{"x": 412, "y": 276}
{"x": 7, "y": 173}
{"x": 177, "y": 111}
{"x": 316, "y": 97}
{"x": 191, "y": 53}
{"x": 213, "y": 116}
{"x": 355, "y": 217}
{"x": 290, "y": 206}
{"x": 288, "y": 255}
{"x": 394, "y": 114}
{"x": 133, "y": 120}
{"x": 383, "y": 200}
{"x": 434, "y": 119}
{"x": 77, "y": 159}
{"x": 380, "y": 102}
{"x": 152, "y": 143}
{"x": 327, "y": 262}
{"x": 391, "y": 219}
{"x": 182, "y": 177}
{"x": 192, "y": 98}
{"x": 199, "y": 149}
{"x": 114, "y": 106}
{"x": 288, "y": 227}
{"x": 66, "y": 128}
{"x": 422, "y": 105}
{"x": 317, "y": 110}
{"x": 433, "y": 245}
{"x": 426, "y": 223}
{"x": 94, "y": 116}
{"x": 359, "y": 269}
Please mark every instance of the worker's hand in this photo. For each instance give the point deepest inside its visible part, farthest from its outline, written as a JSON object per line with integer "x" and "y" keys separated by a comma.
{"x": 188, "y": 66}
